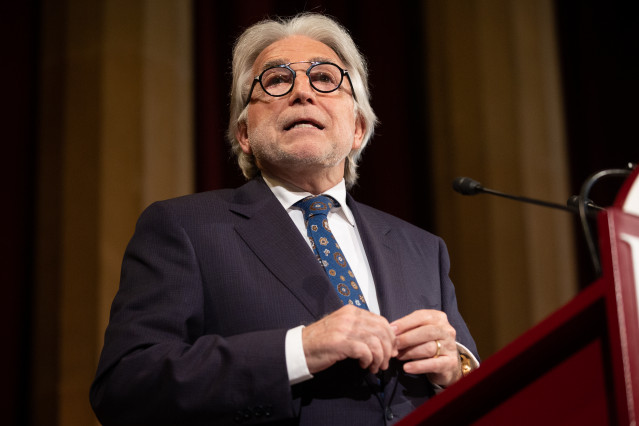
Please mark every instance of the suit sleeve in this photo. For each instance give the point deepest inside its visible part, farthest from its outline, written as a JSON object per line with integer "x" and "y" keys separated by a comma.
{"x": 158, "y": 366}
{"x": 449, "y": 302}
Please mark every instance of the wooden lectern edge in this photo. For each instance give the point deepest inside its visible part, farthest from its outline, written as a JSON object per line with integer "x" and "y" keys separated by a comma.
{"x": 624, "y": 191}
{"x": 616, "y": 256}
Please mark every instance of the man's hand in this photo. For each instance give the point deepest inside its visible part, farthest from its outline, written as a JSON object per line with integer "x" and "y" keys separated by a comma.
{"x": 349, "y": 332}
{"x": 418, "y": 335}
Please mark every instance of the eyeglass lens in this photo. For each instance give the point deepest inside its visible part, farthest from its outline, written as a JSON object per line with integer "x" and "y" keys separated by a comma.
{"x": 277, "y": 81}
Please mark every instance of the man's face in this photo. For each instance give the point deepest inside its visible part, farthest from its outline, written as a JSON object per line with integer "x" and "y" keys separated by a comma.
{"x": 304, "y": 130}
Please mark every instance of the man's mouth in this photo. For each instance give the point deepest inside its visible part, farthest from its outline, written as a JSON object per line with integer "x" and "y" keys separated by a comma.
{"x": 301, "y": 124}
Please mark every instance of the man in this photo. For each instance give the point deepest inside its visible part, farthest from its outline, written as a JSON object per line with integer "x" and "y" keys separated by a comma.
{"x": 224, "y": 313}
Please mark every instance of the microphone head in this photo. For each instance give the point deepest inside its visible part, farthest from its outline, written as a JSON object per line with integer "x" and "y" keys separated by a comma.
{"x": 467, "y": 186}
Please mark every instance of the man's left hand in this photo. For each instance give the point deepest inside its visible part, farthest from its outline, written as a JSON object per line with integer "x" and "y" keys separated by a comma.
{"x": 426, "y": 340}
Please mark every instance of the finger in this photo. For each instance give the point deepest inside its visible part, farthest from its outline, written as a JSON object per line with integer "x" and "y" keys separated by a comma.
{"x": 373, "y": 352}
{"x": 381, "y": 342}
{"x": 417, "y": 336}
{"x": 389, "y": 347}
{"x": 431, "y": 349}
{"x": 427, "y": 333}
{"x": 380, "y": 336}
{"x": 424, "y": 334}
{"x": 389, "y": 350}
{"x": 377, "y": 351}
{"x": 363, "y": 354}
{"x": 422, "y": 366}
{"x": 419, "y": 318}
{"x": 442, "y": 370}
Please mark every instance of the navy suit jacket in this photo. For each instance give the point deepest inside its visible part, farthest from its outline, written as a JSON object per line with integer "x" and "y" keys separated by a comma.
{"x": 211, "y": 283}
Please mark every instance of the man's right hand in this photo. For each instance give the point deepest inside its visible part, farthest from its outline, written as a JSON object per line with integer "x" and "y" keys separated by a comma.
{"x": 349, "y": 332}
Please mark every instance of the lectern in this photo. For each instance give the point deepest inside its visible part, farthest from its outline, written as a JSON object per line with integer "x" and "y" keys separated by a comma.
{"x": 580, "y": 366}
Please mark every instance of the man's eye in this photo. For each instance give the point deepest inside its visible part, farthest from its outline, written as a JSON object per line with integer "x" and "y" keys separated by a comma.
{"x": 322, "y": 77}
{"x": 274, "y": 79}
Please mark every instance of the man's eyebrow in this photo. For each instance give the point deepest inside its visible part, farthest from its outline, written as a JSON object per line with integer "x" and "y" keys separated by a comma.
{"x": 283, "y": 61}
{"x": 274, "y": 63}
{"x": 321, "y": 59}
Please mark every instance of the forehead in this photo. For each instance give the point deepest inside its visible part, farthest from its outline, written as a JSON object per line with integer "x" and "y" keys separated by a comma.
{"x": 294, "y": 49}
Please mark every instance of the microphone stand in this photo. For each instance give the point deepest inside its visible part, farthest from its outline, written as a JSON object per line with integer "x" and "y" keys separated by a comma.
{"x": 583, "y": 201}
{"x": 583, "y": 207}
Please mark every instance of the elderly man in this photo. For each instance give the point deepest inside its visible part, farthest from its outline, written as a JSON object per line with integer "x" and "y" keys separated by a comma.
{"x": 241, "y": 306}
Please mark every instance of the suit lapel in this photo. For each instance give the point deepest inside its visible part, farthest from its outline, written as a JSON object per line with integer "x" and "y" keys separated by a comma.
{"x": 384, "y": 259}
{"x": 267, "y": 229}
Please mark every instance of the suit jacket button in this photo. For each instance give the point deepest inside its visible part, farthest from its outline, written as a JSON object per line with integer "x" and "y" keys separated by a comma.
{"x": 389, "y": 414}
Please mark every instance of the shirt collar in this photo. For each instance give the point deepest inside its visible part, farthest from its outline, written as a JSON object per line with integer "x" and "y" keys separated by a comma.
{"x": 288, "y": 194}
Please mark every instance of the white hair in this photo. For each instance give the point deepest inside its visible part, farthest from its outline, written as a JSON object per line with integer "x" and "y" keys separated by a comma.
{"x": 317, "y": 27}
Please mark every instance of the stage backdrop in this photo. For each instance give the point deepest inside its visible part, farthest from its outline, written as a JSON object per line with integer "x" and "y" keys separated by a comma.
{"x": 112, "y": 104}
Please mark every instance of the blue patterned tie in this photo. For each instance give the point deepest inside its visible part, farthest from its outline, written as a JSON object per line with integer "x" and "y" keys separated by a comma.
{"x": 328, "y": 251}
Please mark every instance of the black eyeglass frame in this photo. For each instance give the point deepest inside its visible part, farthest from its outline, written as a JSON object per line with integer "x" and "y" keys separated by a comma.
{"x": 343, "y": 73}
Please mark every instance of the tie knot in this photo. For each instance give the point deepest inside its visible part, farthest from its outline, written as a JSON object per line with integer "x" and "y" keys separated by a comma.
{"x": 318, "y": 205}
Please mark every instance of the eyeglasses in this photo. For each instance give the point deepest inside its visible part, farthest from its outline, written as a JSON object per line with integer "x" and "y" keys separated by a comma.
{"x": 325, "y": 77}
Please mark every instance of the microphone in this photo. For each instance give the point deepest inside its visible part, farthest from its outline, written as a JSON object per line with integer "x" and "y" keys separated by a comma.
{"x": 468, "y": 186}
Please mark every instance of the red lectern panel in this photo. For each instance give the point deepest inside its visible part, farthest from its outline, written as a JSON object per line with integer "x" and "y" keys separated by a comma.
{"x": 570, "y": 393}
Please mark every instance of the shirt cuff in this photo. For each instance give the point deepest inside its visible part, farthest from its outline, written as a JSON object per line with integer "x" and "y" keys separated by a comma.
{"x": 295, "y": 358}
{"x": 474, "y": 363}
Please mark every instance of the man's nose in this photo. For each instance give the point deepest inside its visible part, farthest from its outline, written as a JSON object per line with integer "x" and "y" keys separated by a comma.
{"x": 302, "y": 90}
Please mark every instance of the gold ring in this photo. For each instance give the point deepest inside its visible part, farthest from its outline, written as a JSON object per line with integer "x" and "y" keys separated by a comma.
{"x": 439, "y": 348}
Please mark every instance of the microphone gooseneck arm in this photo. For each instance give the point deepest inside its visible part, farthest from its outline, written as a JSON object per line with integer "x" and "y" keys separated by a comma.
{"x": 468, "y": 186}
{"x": 579, "y": 204}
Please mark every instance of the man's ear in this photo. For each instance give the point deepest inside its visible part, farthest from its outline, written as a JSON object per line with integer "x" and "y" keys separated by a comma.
{"x": 360, "y": 131}
{"x": 241, "y": 134}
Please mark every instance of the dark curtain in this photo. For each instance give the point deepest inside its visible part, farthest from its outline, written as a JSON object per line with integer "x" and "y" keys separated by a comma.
{"x": 19, "y": 35}
{"x": 599, "y": 51}
{"x": 598, "y": 47}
